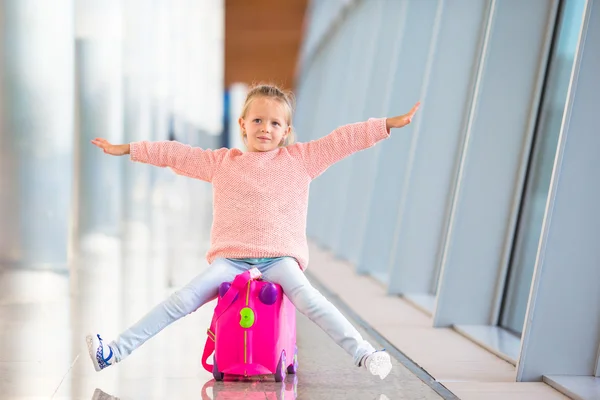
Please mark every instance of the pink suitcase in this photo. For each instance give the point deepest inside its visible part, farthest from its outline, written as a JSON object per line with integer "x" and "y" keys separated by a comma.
{"x": 253, "y": 330}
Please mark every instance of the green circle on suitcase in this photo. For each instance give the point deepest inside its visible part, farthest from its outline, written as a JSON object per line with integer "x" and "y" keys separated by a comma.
{"x": 247, "y": 317}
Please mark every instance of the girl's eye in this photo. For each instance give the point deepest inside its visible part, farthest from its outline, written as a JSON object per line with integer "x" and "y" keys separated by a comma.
{"x": 276, "y": 123}
{"x": 257, "y": 120}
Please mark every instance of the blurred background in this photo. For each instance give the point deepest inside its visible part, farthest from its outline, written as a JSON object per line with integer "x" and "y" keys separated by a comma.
{"x": 481, "y": 216}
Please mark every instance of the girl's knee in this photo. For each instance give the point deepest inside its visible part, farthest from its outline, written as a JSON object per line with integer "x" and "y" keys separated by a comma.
{"x": 306, "y": 298}
{"x": 183, "y": 302}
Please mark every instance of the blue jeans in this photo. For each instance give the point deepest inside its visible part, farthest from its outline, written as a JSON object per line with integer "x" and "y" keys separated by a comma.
{"x": 204, "y": 288}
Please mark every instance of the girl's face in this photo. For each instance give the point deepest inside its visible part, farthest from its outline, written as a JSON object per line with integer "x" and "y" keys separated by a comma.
{"x": 265, "y": 124}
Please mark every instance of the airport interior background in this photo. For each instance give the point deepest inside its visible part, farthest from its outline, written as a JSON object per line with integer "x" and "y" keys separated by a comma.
{"x": 466, "y": 244}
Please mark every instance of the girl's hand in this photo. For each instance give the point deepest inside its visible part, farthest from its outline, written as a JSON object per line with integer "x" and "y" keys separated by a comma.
{"x": 402, "y": 120}
{"x": 112, "y": 149}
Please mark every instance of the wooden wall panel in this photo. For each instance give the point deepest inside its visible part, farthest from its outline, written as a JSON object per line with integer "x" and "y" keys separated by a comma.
{"x": 262, "y": 40}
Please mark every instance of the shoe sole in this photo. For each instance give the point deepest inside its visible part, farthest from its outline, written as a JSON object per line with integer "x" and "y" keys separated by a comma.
{"x": 92, "y": 351}
{"x": 380, "y": 364}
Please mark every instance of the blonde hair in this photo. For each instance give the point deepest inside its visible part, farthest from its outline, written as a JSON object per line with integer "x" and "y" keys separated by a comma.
{"x": 285, "y": 98}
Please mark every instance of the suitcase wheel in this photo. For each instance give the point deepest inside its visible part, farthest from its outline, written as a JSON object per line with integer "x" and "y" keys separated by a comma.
{"x": 216, "y": 374}
{"x": 293, "y": 367}
{"x": 280, "y": 372}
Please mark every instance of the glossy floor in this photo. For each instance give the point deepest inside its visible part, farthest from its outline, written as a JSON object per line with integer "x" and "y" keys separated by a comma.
{"x": 43, "y": 355}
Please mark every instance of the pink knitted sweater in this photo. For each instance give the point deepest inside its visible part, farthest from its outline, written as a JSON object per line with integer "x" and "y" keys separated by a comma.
{"x": 260, "y": 199}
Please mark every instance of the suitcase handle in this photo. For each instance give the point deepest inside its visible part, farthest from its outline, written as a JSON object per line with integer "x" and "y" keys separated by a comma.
{"x": 222, "y": 305}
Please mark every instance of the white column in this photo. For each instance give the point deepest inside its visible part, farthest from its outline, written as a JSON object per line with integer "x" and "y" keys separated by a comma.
{"x": 335, "y": 55}
{"x": 419, "y": 25}
{"x": 237, "y": 96}
{"x": 99, "y": 114}
{"x": 36, "y": 132}
{"x": 434, "y": 146}
{"x": 351, "y": 36}
{"x": 98, "y": 184}
{"x": 208, "y": 51}
{"x": 346, "y": 218}
{"x": 181, "y": 69}
{"x": 493, "y": 161}
{"x": 562, "y": 325}
{"x": 361, "y": 192}
{"x": 137, "y": 116}
{"x": 162, "y": 68}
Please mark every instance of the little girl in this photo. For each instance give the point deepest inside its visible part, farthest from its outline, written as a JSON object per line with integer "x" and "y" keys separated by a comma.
{"x": 259, "y": 217}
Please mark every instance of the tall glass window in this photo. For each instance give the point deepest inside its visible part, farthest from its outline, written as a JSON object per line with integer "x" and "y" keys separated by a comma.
{"x": 541, "y": 164}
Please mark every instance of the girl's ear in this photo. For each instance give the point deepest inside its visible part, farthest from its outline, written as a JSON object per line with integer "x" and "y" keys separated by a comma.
{"x": 242, "y": 124}
{"x": 285, "y": 135}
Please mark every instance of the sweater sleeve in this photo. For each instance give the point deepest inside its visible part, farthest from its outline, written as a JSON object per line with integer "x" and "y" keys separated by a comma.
{"x": 320, "y": 154}
{"x": 183, "y": 159}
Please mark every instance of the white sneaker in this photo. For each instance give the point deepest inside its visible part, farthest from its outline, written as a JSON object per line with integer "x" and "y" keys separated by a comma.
{"x": 101, "y": 354}
{"x": 378, "y": 363}
{"x": 100, "y": 395}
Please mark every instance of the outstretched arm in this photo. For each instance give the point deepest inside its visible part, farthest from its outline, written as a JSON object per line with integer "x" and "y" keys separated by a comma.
{"x": 182, "y": 159}
{"x": 402, "y": 120}
{"x": 320, "y": 154}
{"x": 112, "y": 149}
